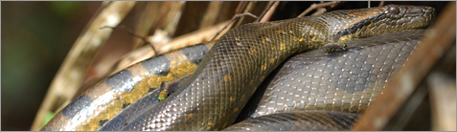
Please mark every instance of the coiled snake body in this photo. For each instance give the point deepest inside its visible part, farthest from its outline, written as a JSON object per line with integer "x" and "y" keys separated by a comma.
{"x": 326, "y": 91}
{"x": 239, "y": 61}
{"x": 230, "y": 72}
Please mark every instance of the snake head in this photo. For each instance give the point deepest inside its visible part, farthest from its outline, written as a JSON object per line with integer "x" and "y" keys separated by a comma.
{"x": 407, "y": 17}
{"x": 369, "y": 22}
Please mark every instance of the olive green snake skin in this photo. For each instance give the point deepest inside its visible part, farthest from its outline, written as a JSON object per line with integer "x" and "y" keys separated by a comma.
{"x": 240, "y": 60}
{"x": 325, "y": 91}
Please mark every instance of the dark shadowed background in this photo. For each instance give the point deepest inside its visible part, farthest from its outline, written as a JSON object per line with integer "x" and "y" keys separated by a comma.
{"x": 36, "y": 37}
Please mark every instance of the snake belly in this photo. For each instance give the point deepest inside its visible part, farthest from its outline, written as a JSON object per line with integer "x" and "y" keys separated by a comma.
{"x": 109, "y": 97}
{"x": 229, "y": 74}
{"x": 341, "y": 82}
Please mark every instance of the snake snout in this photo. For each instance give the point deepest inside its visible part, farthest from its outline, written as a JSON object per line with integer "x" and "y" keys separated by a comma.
{"x": 420, "y": 16}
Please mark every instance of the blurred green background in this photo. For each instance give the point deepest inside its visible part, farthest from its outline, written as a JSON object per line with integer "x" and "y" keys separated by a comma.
{"x": 36, "y": 37}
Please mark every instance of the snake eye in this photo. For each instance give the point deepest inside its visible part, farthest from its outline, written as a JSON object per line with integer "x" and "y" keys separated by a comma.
{"x": 394, "y": 10}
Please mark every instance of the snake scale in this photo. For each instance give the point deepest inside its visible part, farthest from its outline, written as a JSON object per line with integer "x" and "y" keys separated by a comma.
{"x": 239, "y": 61}
{"x": 298, "y": 121}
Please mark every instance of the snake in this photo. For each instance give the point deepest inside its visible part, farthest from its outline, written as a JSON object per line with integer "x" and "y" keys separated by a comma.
{"x": 105, "y": 100}
{"x": 320, "y": 85}
{"x": 213, "y": 96}
{"x": 140, "y": 106}
{"x": 377, "y": 57}
{"x": 91, "y": 110}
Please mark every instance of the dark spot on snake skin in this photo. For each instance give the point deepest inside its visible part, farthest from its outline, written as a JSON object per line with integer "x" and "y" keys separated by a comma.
{"x": 164, "y": 72}
{"x": 246, "y": 50}
{"x": 151, "y": 89}
{"x": 221, "y": 75}
{"x": 102, "y": 122}
{"x": 71, "y": 110}
{"x": 156, "y": 64}
{"x": 356, "y": 26}
{"x": 228, "y": 47}
{"x": 118, "y": 79}
{"x": 261, "y": 36}
{"x": 249, "y": 27}
{"x": 336, "y": 54}
{"x": 197, "y": 51}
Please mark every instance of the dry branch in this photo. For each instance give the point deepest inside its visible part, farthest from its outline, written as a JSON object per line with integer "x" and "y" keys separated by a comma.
{"x": 267, "y": 13}
{"x": 190, "y": 38}
{"x": 442, "y": 100}
{"x": 148, "y": 14}
{"x": 71, "y": 73}
{"x": 316, "y": 6}
{"x": 211, "y": 14}
{"x": 146, "y": 51}
{"x": 381, "y": 4}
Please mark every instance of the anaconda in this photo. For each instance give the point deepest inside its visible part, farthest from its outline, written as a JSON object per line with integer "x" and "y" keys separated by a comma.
{"x": 232, "y": 70}
{"x": 342, "y": 82}
{"x": 109, "y": 97}
{"x": 131, "y": 112}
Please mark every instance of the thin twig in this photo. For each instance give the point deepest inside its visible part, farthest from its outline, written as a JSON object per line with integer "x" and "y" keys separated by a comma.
{"x": 319, "y": 11}
{"x": 315, "y": 6}
{"x": 128, "y": 30}
{"x": 232, "y": 20}
{"x": 146, "y": 20}
{"x": 442, "y": 103}
{"x": 67, "y": 80}
{"x": 211, "y": 14}
{"x": 381, "y": 3}
{"x": 271, "y": 7}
